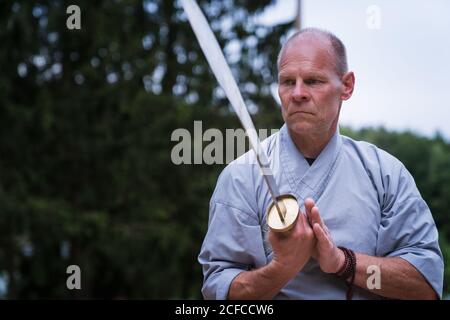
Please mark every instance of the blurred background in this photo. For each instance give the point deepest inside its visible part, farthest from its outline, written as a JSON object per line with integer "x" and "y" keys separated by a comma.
{"x": 86, "y": 117}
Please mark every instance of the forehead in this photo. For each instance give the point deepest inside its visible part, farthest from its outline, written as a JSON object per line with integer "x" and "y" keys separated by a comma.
{"x": 308, "y": 53}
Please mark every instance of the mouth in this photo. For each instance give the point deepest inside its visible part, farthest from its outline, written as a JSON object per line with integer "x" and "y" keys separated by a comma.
{"x": 300, "y": 112}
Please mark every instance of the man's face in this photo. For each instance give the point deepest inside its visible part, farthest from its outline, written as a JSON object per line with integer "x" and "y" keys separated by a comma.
{"x": 310, "y": 89}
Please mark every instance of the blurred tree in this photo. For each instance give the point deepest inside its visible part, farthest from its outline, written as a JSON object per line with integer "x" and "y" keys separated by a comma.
{"x": 87, "y": 115}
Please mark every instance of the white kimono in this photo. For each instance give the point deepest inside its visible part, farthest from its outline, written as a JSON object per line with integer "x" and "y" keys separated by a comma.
{"x": 366, "y": 197}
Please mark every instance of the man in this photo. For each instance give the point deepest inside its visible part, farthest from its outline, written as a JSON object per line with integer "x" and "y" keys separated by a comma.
{"x": 362, "y": 211}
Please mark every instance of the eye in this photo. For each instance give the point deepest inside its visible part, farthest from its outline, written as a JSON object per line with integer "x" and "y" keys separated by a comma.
{"x": 312, "y": 81}
{"x": 288, "y": 82}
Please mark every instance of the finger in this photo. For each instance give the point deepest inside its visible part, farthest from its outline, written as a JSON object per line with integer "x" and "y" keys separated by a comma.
{"x": 309, "y": 204}
{"x": 299, "y": 218}
{"x": 306, "y": 224}
{"x": 320, "y": 235}
{"x": 302, "y": 218}
{"x": 316, "y": 218}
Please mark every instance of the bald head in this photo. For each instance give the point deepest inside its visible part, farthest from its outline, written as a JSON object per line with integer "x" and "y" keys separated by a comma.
{"x": 335, "y": 46}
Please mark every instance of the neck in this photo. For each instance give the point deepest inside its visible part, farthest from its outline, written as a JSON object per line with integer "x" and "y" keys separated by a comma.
{"x": 312, "y": 144}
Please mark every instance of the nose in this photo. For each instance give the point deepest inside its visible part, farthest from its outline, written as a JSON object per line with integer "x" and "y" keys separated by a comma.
{"x": 300, "y": 92}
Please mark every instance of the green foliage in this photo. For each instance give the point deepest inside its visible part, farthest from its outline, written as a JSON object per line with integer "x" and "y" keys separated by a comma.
{"x": 86, "y": 119}
{"x": 85, "y": 124}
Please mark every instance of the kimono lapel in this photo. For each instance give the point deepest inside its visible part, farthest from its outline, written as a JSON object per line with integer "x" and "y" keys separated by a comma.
{"x": 304, "y": 180}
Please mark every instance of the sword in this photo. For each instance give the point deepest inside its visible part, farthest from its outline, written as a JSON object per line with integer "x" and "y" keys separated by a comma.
{"x": 222, "y": 72}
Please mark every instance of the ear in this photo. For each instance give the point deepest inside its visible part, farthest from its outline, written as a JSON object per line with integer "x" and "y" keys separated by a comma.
{"x": 348, "y": 84}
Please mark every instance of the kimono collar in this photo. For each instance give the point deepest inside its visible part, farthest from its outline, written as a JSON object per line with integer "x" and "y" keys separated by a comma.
{"x": 305, "y": 180}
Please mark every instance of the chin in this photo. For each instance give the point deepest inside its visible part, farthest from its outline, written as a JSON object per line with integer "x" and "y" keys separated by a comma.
{"x": 299, "y": 127}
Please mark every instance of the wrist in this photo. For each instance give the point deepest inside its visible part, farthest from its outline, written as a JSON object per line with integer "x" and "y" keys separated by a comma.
{"x": 348, "y": 271}
{"x": 340, "y": 265}
{"x": 278, "y": 268}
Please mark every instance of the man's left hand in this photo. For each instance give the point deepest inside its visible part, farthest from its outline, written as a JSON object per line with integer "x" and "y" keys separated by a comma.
{"x": 327, "y": 254}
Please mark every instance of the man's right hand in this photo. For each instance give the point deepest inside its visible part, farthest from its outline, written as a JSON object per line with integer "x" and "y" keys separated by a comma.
{"x": 293, "y": 249}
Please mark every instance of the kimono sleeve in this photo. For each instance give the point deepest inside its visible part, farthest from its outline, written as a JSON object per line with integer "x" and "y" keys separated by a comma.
{"x": 233, "y": 244}
{"x": 407, "y": 229}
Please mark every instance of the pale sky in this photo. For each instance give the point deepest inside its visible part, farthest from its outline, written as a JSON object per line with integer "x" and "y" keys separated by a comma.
{"x": 402, "y": 69}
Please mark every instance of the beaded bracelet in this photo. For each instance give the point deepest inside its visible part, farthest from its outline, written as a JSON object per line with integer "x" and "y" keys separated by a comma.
{"x": 348, "y": 270}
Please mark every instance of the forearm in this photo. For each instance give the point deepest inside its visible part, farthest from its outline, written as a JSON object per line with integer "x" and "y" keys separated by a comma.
{"x": 263, "y": 283}
{"x": 399, "y": 279}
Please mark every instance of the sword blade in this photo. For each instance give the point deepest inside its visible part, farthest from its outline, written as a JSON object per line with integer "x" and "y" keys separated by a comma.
{"x": 222, "y": 72}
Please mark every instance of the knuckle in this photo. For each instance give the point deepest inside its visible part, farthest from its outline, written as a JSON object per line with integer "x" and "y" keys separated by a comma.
{"x": 307, "y": 235}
